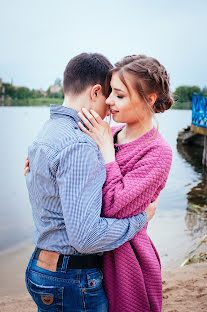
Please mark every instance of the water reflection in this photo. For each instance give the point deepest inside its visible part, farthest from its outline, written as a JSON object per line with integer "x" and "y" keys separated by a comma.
{"x": 196, "y": 214}
{"x": 169, "y": 230}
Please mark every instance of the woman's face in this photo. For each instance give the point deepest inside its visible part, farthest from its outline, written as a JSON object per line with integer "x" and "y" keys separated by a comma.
{"x": 123, "y": 107}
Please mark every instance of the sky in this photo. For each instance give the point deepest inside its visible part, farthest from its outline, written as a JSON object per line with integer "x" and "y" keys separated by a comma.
{"x": 39, "y": 37}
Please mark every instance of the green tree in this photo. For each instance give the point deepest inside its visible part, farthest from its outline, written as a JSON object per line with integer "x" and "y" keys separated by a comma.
{"x": 23, "y": 93}
{"x": 10, "y": 90}
{"x": 36, "y": 94}
{"x": 184, "y": 93}
{"x": 204, "y": 90}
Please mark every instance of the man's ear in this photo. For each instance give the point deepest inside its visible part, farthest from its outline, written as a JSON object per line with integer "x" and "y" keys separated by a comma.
{"x": 152, "y": 99}
{"x": 96, "y": 90}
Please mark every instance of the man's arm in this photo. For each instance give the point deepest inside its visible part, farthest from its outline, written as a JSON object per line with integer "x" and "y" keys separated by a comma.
{"x": 80, "y": 178}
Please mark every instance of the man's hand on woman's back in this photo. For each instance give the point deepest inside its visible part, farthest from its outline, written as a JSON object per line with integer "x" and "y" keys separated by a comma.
{"x": 151, "y": 209}
{"x": 26, "y": 166}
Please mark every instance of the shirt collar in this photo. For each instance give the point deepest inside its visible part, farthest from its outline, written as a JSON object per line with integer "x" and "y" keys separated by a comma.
{"x": 57, "y": 110}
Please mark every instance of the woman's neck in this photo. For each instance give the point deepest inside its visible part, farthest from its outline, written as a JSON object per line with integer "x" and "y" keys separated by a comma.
{"x": 133, "y": 131}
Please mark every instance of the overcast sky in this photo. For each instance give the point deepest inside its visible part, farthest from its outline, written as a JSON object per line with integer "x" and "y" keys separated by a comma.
{"x": 39, "y": 37}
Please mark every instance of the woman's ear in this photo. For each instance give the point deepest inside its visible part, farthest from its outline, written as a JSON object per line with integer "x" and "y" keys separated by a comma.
{"x": 96, "y": 90}
{"x": 152, "y": 98}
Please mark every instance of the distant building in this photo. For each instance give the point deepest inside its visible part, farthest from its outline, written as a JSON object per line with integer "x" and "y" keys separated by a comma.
{"x": 55, "y": 89}
{"x": 44, "y": 93}
{"x": 1, "y": 81}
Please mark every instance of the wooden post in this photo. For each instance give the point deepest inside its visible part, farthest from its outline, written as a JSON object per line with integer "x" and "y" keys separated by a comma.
{"x": 204, "y": 161}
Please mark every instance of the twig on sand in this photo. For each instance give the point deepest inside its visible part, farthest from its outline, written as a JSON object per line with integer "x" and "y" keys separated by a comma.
{"x": 193, "y": 258}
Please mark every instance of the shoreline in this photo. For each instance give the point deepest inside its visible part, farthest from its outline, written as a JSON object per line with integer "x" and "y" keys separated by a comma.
{"x": 184, "y": 288}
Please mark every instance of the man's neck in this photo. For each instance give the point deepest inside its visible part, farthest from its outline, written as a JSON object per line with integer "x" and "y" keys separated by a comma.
{"x": 76, "y": 102}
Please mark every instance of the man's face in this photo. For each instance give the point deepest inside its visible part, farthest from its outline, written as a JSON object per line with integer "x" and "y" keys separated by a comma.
{"x": 100, "y": 106}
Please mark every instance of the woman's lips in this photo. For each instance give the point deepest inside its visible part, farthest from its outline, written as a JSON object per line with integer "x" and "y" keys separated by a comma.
{"x": 113, "y": 111}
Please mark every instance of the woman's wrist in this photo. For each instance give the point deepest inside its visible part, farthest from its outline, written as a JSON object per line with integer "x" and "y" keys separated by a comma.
{"x": 109, "y": 159}
{"x": 108, "y": 153}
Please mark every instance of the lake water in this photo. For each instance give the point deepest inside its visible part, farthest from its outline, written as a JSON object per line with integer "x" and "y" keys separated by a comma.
{"x": 174, "y": 230}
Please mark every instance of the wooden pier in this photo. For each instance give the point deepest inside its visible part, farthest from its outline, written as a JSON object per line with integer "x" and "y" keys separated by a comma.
{"x": 199, "y": 119}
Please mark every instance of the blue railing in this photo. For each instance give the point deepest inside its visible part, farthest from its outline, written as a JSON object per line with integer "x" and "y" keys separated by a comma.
{"x": 199, "y": 110}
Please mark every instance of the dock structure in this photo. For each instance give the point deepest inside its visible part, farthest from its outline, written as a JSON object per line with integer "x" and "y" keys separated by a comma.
{"x": 199, "y": 119}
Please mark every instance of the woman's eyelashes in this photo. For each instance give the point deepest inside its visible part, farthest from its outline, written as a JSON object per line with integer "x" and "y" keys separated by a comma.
{"x": 120, "y": 96}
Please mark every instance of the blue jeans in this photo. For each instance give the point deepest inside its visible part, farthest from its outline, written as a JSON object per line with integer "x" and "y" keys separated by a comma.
{"x": 66, "y": 289}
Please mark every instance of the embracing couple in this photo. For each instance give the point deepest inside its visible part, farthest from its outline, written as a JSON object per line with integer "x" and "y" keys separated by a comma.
{"x": 93, "y": 189}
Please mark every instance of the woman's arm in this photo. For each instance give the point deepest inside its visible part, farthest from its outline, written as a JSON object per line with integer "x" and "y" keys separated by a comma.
{"x": 136, "y": 190}
{"x": 133, "y": 192}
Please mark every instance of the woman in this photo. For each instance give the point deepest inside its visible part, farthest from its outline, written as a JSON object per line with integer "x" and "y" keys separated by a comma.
{"x": 138, "y": 162}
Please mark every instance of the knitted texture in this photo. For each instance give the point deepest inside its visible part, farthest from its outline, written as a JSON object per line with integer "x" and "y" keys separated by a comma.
{"x": 132, "y": 272}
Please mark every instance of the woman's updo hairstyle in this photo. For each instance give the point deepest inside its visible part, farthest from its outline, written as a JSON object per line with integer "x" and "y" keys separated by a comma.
{"x": 149, "y": 77}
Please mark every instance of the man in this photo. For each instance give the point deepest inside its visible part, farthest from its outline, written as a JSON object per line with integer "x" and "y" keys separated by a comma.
{"x": 65, "y": 182}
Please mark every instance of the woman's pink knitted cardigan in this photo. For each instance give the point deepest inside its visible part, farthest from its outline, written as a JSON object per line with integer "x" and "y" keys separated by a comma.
{"x": 132, "y": 272}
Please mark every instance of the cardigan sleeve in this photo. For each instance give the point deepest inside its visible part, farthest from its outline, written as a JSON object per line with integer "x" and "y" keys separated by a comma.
{"x": 125, "y": 194}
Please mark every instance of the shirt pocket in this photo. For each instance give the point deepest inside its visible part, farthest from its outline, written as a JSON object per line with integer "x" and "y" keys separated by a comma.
{"x": 47, "y": 298}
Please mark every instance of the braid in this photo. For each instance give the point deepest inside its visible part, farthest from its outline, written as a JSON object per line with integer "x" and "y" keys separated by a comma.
{"x": 153, "y": 78}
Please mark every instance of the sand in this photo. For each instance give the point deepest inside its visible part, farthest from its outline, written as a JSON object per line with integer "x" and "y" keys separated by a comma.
{"x": 184, "y": 288}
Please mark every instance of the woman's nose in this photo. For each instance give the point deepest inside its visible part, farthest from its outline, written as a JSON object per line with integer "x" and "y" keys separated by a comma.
{"x": 109, "y": 101}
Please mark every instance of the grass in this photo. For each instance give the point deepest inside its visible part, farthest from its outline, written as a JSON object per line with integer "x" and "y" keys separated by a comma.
{"x": 34, "y": 102}
{"x": 45, "y": 101}
{"x": 182, "y": 105}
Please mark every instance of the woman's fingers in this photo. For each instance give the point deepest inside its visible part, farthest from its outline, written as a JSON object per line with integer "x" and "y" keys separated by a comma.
{"x": 96, "y": 116}
{"x": 81, "y": 126}
{"x": 90, "y": 117}
{"x": 85, "y": 121}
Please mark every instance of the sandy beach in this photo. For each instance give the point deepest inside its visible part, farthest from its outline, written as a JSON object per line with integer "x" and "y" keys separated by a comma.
{"x": 184, "y": 288}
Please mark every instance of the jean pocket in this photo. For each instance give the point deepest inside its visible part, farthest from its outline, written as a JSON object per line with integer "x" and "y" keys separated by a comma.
{"x": 94, "y": 280}
{"x": 47, "y": 298}
{"x": 93, "y": 295}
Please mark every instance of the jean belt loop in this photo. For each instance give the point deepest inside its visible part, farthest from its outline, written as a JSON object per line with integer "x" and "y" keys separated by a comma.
{"x": 65, "y": 264}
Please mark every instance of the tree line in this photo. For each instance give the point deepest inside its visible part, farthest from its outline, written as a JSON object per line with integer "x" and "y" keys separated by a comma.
{"x": 184, "y": 93}
{"x": 183, "y": 96}
{"x": 12, "y": 94}
{"x": 20, "y": 93}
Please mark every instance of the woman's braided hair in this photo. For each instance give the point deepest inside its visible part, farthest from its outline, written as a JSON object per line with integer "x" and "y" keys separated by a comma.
{"x": 150, "y": 77}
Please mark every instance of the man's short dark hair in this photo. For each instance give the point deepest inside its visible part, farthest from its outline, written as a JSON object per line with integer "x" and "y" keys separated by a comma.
{"x": 84, "y": 70}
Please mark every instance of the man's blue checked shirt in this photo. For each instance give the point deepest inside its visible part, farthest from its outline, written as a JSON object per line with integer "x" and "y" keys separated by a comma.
{"x": 65, "y": 182}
